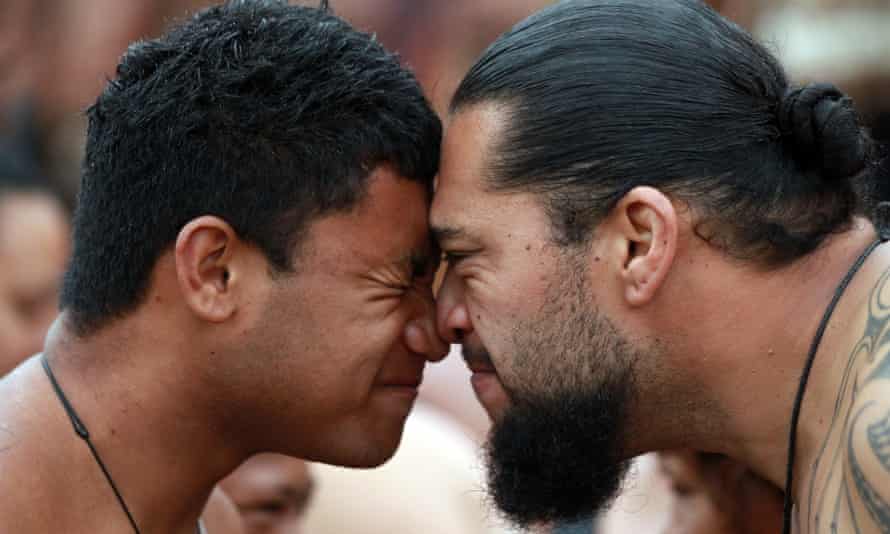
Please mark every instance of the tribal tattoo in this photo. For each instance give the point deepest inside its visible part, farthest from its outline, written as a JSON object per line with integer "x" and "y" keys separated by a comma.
{"x": 849, "y": 488}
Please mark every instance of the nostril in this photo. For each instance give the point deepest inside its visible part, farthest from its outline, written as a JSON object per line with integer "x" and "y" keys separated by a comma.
{"x": 458, "y": 335}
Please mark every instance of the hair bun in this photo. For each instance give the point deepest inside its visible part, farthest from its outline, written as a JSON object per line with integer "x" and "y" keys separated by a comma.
{"x": 823, "y": 129}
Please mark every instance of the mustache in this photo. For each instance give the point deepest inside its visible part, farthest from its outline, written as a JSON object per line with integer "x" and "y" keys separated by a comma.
{"x": 476, "y": 357}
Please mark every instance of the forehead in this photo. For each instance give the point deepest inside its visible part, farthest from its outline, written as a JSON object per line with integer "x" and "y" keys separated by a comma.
{"x": 462, "y": 200}
{"x": 390, "y": 220}
{"x": 466, "y": 150}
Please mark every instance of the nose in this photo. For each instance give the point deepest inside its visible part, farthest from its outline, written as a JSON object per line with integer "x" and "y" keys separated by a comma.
{"x": 453, "y": 318}
{"x": 421, "y": 335}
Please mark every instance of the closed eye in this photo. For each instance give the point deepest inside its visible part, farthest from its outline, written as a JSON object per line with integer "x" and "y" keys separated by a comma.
{"x": 453, "y": 257}
{"x": 422, "y": 270}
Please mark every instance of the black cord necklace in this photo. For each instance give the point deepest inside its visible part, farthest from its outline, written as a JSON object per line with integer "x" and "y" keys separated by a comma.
{"x": 84, "y": 434}
{"x": 81, "y": 430}
{"x": 805, "y": 375}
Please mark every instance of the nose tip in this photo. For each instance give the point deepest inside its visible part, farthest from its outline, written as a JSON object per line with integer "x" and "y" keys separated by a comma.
{"x": 425, "y": 341}
{"x": 453, "y": 324}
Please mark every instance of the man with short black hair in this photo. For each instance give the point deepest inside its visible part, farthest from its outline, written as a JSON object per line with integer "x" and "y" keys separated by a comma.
{"x": 251, "y": 272}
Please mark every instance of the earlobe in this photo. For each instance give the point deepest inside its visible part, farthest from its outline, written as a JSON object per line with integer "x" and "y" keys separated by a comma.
{"x": 651, "y": 231}
{"x": 204, "y": 267}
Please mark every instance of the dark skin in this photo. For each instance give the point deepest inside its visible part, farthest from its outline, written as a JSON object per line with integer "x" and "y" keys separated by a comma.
{"x": 223, "y": 359}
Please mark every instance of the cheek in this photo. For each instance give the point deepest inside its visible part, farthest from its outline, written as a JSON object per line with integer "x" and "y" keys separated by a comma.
{"x": 381, "y": 326}
{"x": 499, "y": 304}
{"x": 361, "y": 347}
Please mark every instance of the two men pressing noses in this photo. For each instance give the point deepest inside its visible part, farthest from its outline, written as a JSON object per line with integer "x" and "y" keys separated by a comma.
{"x": 653, "y": 239}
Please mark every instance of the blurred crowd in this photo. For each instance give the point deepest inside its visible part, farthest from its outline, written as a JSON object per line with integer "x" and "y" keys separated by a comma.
{"x": 56, "y": 55}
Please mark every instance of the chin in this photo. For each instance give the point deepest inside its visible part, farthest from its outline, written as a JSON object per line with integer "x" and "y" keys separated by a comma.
{"x": 370, "y": 457}
{"x": 362, "y": 450}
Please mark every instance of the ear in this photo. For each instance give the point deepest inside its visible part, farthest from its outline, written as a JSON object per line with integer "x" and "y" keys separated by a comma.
{"x": 647, "y": 222}
{"x": 204, "y": 252}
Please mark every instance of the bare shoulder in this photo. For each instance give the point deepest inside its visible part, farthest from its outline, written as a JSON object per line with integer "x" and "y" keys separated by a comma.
{"x": 221, "y": 516}
{"x": 17, "y": 510}
{"x": 20, "y": 468}
{"x": 43, "y": 484}
{"x": 849, "y": 488}
{"x": 867, "y": 447}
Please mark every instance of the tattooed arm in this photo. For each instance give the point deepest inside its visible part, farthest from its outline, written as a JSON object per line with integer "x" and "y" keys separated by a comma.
{"x": 867, "y": 465}
{"x": 867, "y": 469}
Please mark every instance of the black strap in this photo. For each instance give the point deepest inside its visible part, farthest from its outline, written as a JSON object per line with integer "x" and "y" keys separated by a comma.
{"x": 84, "y": 434}
{"x": 805, "y": 375}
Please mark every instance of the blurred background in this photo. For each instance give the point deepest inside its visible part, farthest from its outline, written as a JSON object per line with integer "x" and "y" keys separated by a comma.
{"x": 55, "y": 57}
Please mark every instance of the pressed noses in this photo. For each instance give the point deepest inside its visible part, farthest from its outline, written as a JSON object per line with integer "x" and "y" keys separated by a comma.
{"x": 420, "y": 335}
{"x": 452, "y": 317}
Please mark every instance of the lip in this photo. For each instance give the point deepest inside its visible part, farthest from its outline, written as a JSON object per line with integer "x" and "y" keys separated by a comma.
{"x": 481, "y": 367}
{"x": 490, "y": 393}
{"x": 407, "y": 393}
{"x": 403, "y": 382}
{"x": 478, "y": 364}
{"x": 480, "y": 379}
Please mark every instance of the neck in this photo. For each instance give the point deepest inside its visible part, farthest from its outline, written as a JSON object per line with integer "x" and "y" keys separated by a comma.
{"x": 153, "y": 426}
{"x": 744, "y": 348}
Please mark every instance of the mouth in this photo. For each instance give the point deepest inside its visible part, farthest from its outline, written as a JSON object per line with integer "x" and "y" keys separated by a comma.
{"x": 477, "y": 361}
{"x": 486, "y": 383}
{"x": 481, "y": 368}
{"x": 408, "y": 383}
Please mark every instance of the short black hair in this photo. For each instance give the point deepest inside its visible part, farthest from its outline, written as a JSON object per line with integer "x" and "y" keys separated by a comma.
{"x": 264, "y": 114}
{"x": 601, "y": 96}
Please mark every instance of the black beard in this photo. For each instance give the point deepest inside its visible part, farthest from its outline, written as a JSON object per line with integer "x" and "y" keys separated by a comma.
{"x": 557, "y": 454}
{"x": 559, "y": 458}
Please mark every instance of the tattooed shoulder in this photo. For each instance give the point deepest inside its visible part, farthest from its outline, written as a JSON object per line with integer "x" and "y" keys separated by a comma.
{"x": 849, "y": 488}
